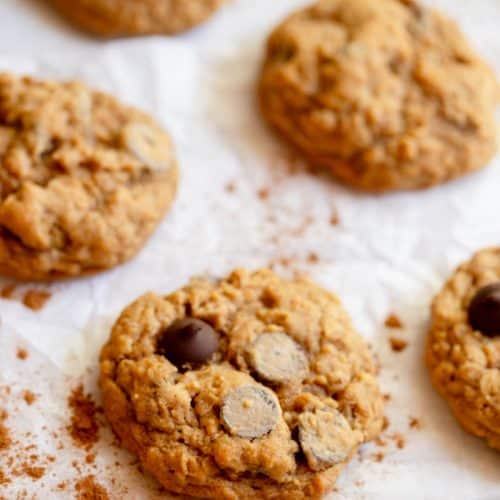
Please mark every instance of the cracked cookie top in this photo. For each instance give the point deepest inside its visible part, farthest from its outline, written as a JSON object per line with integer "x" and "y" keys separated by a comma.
{"x": 84, "y": 180}
{"x": 251, "y": 385}
{"x": 114, "y": 18}
{"x": 387, "y": 94}
{"x": 463, "y": 350}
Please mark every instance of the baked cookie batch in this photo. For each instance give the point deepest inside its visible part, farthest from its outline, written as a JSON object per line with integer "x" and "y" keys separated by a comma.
{"x": 253, "y": 386}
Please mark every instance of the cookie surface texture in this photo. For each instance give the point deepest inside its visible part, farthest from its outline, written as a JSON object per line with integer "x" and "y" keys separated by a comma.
{"x": 464, "y": 361}
{"x": 386, "y": 95}
{"x": 233, "y": 426}
{"x": 84, "y": 179}
{"x": 115, "y": 18}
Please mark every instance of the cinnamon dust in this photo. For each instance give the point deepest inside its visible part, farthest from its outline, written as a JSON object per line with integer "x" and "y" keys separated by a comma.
{"x": 83, "y": 428}
{"x": 88, "y": 489}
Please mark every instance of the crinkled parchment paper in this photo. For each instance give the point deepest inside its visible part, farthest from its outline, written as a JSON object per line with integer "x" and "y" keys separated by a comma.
{"x": 244, "y": 201}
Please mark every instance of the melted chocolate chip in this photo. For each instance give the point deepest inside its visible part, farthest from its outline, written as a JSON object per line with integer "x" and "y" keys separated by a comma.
{"x": 484, "y": 310}
{"x": 188, "y": 341}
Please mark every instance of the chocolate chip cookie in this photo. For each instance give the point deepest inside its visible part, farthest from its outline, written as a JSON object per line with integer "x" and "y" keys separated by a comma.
{"x": 114, "y": 18}
{"x": 84, "y": 180}
{"x": 387, "y": 95}
{"x": 463, "y": 349}
{"x": 248, "y": 387}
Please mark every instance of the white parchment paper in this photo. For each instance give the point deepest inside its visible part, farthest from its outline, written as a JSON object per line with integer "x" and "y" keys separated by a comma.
{"x": 387, "y": 254}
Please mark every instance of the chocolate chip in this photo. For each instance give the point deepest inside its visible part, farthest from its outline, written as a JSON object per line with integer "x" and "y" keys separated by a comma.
{"x": 277, "y": 358}
{"x": 326, "y": 438}
{"x": 484, "y": 310}
{"x": 188, "y": 341}
{"x": 250, "y": 411}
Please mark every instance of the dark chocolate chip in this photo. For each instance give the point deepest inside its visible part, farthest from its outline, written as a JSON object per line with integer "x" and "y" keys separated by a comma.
{"x": 188, "y": 341}
{"x": 484, "y": 310}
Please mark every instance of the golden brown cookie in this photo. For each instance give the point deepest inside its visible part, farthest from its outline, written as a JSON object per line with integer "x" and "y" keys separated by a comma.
{"x": 84, "y": 180}
{"x": 463, "y": 349}
{"x": 114, "y": 18}
{"x": 248, "y": 387}
{"x": 385, "y": 94}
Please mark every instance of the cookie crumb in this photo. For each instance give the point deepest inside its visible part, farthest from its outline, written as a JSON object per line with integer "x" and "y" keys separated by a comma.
{"x": 398, "y": 345}
{"x": 334, "y": 219}
{"x": 84, "y": 428}
{"x": 22, "y": 353}
{"x": 29, "y": 397}
{"x": 415, "y": 423}
{"x": 263, "y": 193}
{"x": 312, "y": 258}
{"x": 8, "y": 291}
{"x": 378, "y": 457}
{"x": 399, "y": 440}
{"x": 387, "y": 397}
{"x": 230, "y": 187}
{"x": 385, "y": 423}
{"x": 393, "y": 321}
{"x": 36, "y": 299}
{"x": 88, "y": 489}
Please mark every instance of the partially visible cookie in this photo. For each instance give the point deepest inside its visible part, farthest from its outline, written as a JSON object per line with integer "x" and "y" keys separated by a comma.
{"x": 463, "y": 349}
{"x": 84, "y": 180}
{"x": 385, "y": 94}
{"x": 114, "y": 18}
{"x": 248, "y": 387}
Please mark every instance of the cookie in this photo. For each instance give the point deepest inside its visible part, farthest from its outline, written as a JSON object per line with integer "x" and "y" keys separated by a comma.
{"x": 115, "y": 18}
{"x": 247, "y": 387}
{"x": 463, "y": 349}
{"x": 386, "y": 95}
{"x": 84, "y": 180}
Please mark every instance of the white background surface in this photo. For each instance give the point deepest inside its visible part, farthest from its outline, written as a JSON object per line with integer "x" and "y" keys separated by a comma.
{"x": 388, "y": 254}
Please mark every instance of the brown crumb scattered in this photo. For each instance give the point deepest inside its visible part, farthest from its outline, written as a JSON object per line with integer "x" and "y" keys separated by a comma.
{"x": 36, "y": 299}
{"x": 385, "y": 423}
{"x": 5, "y": 440}
{"x": 398, "y": 345}
{"x": 335, "y": 219}
{"x": 263, "y": 193}
{"x": 387, "y": 397}
{"x": 90, "y": 458}
{"x": 415, "y": 423}
{"x": 29, "y": 397}
{"x": 380, "y": 442}
{"x": 393, "y": 321}
{"x": 83, "y": 429}
{"x": 62, "y": 485}
{"x": 398, "y": 439}
{"x": 88, "y": 489}
{"x": 378, "y": 457}
{"x": 312, "y": 258}
{"x": 22, "y": 353}
{"x": 230, "y": 187}
{"x": 7, "y": 291}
